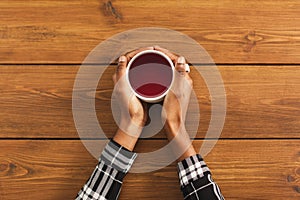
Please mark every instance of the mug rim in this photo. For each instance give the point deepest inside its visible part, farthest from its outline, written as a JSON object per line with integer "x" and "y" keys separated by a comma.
{"x": 150, "y": 99}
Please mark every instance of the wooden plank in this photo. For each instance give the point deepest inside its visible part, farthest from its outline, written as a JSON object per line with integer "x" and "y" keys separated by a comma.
{"x": 262, "y": 102}
{"x": 244, "y": 169}
{"x": 232, "y": 32}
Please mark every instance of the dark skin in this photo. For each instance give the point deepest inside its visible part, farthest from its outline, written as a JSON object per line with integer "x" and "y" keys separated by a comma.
{"x": 174, "y": 106}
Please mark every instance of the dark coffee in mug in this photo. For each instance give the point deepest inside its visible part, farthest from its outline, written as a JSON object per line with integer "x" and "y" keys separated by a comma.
{"x": 150, "y": 75}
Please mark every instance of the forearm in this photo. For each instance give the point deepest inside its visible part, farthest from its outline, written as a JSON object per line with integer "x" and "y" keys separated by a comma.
{"x": 181, "y": 143}
{"x": 196, "y": 180}
{"x": 106, "y": 180}
{"x": 195, "y": 176}
{"x": 125, "y": 140}
{"x": 114, "y": 163}
{"x": 128, "y": 133}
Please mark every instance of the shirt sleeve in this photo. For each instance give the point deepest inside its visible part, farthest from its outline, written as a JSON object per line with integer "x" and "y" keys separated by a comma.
{"x": 107, "y": 178}
{"x": 196, "y": 181}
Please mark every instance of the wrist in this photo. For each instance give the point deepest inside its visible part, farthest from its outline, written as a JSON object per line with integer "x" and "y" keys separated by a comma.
{"x": 125, "y": 140}
{"x": 127, "y": 135}
{"x": 131, "y": 127}
{"x": 172, "y": 128}
{"x": 137, "y": 119}
{"x": 188, "y": 153}
{"x": 177, "y": 133}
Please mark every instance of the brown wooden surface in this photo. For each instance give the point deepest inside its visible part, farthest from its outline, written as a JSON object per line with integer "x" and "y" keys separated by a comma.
{"x": 57, "y": 169}
{"x": 44, "y": 31}
{"x": 262, "y": 101}
{"x": 255, "y": 43}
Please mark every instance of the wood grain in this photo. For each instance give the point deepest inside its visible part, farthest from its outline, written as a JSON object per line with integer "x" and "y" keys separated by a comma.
{"x": 43, "y": 42}
{"x": 57, "y": 169}
{"x": 262, "y": 102}
{"x": 46, "y": 31}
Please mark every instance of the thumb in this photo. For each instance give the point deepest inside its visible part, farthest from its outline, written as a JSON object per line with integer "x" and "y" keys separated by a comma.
{"x": 121, "y": 68}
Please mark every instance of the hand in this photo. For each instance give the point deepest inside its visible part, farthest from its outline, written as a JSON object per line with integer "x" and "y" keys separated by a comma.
{"x": 176, "y": 104}
{"x": 133, "y": 112}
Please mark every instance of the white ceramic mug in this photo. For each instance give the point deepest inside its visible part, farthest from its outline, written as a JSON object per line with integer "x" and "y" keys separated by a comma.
{"x": 141, "y": 75}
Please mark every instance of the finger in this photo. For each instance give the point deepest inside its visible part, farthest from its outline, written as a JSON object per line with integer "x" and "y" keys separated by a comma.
{"x": 167, "y": 52}
{"x": 180, "y": 74}
{"x": 130, "y": 55}
{"x": 121, "y": 68}
{"x": 180, "y": 66}
{"x": 187, "y": 75}
{"x": 187, "y": 68}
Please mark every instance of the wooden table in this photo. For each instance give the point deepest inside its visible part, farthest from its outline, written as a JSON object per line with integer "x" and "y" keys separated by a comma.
{"x": 255, "y": 44}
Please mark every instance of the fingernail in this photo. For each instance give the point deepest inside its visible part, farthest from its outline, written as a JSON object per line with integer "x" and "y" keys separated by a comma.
{"x": 181, "y": 60}
{"x": 187, "y": 68}
{"x": 122, "y": 59}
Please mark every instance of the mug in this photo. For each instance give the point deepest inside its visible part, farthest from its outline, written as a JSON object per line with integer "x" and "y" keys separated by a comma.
{"x": 150, "y": 74}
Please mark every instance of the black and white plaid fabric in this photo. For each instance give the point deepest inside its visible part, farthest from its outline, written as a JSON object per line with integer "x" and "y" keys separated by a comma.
{"x": 106, "y": 181}
{"x": 195, "y": 180}
{"x": 117, "y": 157}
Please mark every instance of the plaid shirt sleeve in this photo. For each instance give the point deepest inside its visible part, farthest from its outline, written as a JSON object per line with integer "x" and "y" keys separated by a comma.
{"x": 106, "y": 181}
{"x": 196, "y": 181}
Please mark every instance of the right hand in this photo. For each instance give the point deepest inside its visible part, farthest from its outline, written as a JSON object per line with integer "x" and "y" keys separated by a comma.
{"x": 175, "y": 106}
{"x": 177, "y": 100}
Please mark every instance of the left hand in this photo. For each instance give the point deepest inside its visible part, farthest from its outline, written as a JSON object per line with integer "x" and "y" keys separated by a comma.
{"x": 133, "y": 111}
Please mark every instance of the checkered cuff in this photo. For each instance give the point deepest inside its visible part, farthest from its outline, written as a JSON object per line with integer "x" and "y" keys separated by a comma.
{"x": 191, "y": 169}
{"x": 118, "y": 157}
{"x": 104, "y": 184}
{"x": 106, "y": 181}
